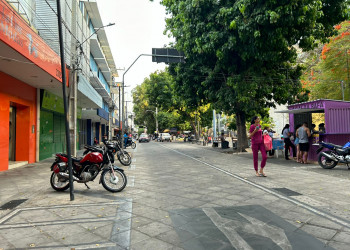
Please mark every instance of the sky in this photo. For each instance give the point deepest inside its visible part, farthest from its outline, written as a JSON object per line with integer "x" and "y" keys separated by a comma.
{"x": 139, "y": 27}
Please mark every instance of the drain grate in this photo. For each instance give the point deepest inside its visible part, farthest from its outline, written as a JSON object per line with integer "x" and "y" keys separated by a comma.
{"x": 12, "y": 204}
{"x": 287, "y": 191}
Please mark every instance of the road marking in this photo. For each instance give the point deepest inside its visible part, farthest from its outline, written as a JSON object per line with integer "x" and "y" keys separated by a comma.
{"x": 14, "y": 212}
{"x": 229, "y": 227}
{"x": 300, "y": 204}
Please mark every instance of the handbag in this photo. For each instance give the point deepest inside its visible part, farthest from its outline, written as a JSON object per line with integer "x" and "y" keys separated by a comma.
{"x": 267, "y": 142}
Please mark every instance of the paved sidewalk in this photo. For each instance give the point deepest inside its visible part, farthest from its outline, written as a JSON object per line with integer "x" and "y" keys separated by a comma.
{"x": 180, "y": 196}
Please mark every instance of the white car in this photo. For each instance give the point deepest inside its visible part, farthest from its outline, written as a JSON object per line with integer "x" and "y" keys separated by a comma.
{"x": 144, "y": 138}
{"x": 165, "y": 137}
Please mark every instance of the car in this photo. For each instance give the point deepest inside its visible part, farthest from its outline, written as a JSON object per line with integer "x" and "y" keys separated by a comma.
{"x": 165, "y": 137}
{"x": 144, "y": 138}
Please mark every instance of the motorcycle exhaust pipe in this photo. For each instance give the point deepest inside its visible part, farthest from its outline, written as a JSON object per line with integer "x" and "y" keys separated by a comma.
{"x": 65, "y": 175}
{"x": 330, "y": 157}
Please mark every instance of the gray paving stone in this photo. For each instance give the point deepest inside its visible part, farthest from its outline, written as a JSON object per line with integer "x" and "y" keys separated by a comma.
{"x": 343, "y": 237}
{"x": 338, "y": 245}
{"x": 175, "y": 237}
{"x": 151, "y": 244}
{"x": 319, "y": 232}
{"x": 137, "y": 236}
{"x": 154, "y": 229}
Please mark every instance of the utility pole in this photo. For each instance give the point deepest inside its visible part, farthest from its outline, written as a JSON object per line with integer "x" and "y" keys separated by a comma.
{"x": 65, "y": 105}
{"x": 157, "y": 120}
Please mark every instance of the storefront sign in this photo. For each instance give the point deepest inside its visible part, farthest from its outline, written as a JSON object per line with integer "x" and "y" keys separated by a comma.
{"x": 16, "y": 33}
{"x": 310, "y": 105}
{"x": 52, "y": 102}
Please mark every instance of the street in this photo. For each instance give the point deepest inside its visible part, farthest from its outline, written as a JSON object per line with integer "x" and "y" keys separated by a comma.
{"x": 181, "y": 196}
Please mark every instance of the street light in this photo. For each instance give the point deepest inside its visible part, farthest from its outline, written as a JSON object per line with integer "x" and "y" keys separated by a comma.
{"x": 156, "y": 112}
{"x": 110, "y": 24}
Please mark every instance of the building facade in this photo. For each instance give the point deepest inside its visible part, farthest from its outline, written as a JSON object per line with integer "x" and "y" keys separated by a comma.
{"x": 31, "y": 104}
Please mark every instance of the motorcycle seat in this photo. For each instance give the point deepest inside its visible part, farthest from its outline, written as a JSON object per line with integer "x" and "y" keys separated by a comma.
{"x": 76, "y": 159}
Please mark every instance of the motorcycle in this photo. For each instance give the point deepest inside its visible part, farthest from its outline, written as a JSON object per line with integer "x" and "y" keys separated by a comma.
{"x": 86, "y": 169}
{"x": 337, "y": 154}
{"x": 115, "y": 148}
{"x": 131, "y": 143}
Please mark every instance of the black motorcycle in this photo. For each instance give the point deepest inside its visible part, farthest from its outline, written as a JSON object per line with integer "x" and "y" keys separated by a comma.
{"x": 336, "y": 154}
{"x": 130, "y": 143}
{"x": 114, "y": 148}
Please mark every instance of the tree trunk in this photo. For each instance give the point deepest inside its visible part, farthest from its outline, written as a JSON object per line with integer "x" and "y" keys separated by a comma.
{"x": 195, "y": 129}
{"x": 242, "y": 140}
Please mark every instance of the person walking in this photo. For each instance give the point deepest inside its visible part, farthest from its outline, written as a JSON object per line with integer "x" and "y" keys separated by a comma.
{"x": 304, "y": 134}
{"x": 296, "y": 143}
{"x": 287, "y": 142}
{"x": 255, "y": 134}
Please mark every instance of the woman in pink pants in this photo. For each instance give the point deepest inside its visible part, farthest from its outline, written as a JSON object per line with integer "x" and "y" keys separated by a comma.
{"x": 255, "y": 134}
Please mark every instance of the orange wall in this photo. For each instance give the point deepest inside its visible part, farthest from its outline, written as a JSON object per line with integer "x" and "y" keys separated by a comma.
{"x": 24, "y": 98}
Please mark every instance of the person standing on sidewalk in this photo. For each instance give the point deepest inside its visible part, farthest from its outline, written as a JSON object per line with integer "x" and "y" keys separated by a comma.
{"x": 255, "y": 134}
{"x": 287, "y": 142}
{"x": 304, "y": 134}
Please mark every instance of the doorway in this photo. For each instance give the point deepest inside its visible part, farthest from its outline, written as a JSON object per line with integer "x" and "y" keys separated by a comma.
{"x": 12, "y": 133}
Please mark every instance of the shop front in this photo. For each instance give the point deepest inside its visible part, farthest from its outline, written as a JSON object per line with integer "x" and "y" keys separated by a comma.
{"x": 328, "y": 120}
{"x": 27, "y": 64}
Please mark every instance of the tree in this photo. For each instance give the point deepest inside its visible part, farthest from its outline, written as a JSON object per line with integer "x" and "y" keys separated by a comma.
{"x": 239, "y": 53}
{"x": 331, "y": 67}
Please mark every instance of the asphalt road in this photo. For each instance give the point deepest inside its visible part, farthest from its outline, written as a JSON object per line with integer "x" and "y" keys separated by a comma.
{"x": 182, "y": 196}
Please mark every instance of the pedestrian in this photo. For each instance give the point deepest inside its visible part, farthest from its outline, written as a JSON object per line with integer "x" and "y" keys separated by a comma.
{"x": 296, "y": 143}
{"x": 255, "y": 134}
{"x": 287, "y": 142}
{"x": 125, "y": 138}
{"x": 304, "y": 134}
{"x": 95, "y": 141}
{"x": 268, "y": 132}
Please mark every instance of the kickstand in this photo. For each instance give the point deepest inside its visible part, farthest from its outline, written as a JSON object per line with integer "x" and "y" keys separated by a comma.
{"x": 87, "y": 185}
{"x": 347, "y": 164}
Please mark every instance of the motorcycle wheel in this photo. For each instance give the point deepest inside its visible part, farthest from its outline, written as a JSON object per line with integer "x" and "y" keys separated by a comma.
{"x": 124, "y": 158}
{"x": 112, "y": 184}
{"x": 133, "y": 145}
{"x": 57, "y": 184}
{"x": 326, "y": 163}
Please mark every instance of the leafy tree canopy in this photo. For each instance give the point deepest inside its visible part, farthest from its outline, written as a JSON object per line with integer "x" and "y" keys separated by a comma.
{"x": 330, "y": 67}
{"x": 239, "y": 53}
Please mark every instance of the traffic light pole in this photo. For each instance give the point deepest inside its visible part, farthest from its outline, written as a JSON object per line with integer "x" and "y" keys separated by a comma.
{"x": 123, "y": 82}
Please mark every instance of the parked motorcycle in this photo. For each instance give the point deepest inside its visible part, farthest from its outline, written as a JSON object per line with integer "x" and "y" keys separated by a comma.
{"x": 336, "y": 154}
{"x": 86, "y": 169}
{"x": 131, "y": 143}
{"x": 116, "y": 148}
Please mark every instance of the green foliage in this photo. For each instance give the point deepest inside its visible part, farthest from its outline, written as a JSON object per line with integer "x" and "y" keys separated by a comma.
{"x": 331, "y": 67}
{"x": 240, "y": 55}
{"x": 173, "y": 111}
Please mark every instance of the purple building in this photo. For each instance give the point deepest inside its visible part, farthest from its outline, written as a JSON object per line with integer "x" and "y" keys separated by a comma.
{"x": 336, "y": 127}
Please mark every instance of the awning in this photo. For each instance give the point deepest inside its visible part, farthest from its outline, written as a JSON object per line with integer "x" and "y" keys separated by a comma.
{"x": 298, "y": 111}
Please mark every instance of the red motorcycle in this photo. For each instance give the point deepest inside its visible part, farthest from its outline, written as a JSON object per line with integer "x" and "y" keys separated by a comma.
{"x": 86, "y": 169}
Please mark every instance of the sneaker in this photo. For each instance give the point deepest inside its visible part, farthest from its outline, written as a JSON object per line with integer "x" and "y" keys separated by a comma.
{"x": 287, "y": 159}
